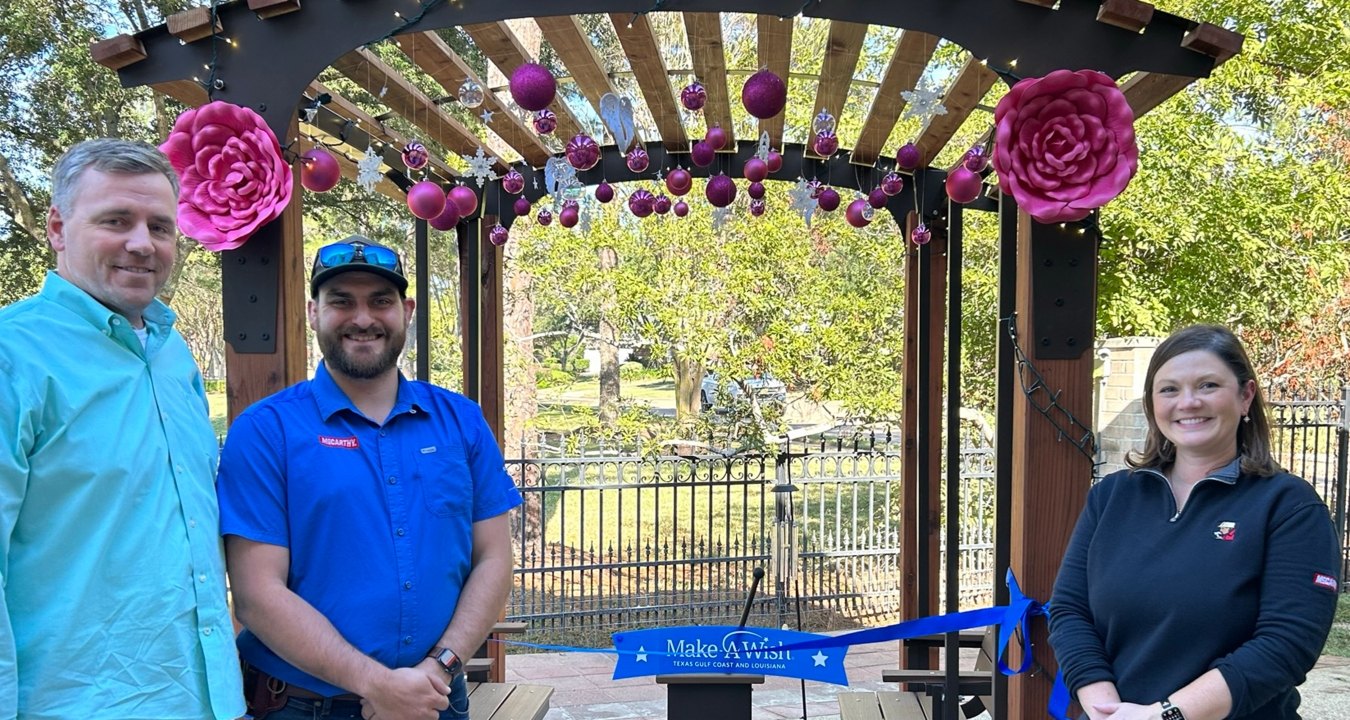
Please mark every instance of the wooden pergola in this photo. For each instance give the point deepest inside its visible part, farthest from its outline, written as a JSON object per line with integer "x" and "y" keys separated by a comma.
{"x": 268, "y": 54}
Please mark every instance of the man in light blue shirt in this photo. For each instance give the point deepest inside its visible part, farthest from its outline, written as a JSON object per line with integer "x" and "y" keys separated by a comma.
{"x": 112, "y": 591}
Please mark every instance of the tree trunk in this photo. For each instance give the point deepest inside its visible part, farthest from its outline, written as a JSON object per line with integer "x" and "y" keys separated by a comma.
{"x": 688, "y": 379}
{"x": 522, "y": 402}
{"x": 608, "y": 344}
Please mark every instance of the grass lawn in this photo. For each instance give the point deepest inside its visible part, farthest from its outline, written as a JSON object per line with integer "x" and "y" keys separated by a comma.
{"x": 659, "y": 392}
{"x": 217, "y": 401}
{"x": 1339, "y": 642}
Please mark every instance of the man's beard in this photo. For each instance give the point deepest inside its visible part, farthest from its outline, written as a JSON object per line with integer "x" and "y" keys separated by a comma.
{"x": 365, "y": 367}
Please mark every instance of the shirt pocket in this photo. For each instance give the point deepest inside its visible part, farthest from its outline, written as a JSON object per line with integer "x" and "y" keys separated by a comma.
{"x": 446, "y": 486}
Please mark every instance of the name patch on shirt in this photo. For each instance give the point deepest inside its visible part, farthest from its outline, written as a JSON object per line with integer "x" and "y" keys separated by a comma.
{"x": 1324, "y": 580}
{"x": 348, "y": 443}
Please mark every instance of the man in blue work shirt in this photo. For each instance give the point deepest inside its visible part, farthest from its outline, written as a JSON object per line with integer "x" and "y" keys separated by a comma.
{"x": 365, "y": 518}
{"x": 112, "y": 583}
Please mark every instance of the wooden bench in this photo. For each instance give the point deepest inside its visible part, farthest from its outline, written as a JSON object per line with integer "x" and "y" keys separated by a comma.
{"x": 492, "y": 699}
{"x": 906, "y": 704}
{"x": 880, "y": 706}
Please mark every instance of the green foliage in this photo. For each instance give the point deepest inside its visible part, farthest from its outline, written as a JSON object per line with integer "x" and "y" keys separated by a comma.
{"x": 552, "y": 377}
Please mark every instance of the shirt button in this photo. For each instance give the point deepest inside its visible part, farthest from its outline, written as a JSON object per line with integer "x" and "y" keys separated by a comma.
{"x": 383, "y": 433}
{"x": 179, "y": 468}
{"x": 407, "y": 586}
{"x": 192, "y": 523}
{"x": 399, "y": 532}
{"x": 393, "y": 480}
{"x": 201, "y": 578}
{"x": 407, "y": 640}
{"x": 206, "y": 631}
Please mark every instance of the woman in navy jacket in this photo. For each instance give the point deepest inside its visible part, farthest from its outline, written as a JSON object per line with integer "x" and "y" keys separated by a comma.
{"x": 1201, "y": 583}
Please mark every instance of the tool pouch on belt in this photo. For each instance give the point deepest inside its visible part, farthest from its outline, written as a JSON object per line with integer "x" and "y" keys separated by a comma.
{"x": 263, "y": 693}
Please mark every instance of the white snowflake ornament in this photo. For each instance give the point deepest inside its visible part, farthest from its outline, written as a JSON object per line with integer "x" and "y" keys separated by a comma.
{"x": 368, "y": 169}
{"x": 480, "y": 166}
{"x": 923, "y": 102}
{"x": 802, "y": 201}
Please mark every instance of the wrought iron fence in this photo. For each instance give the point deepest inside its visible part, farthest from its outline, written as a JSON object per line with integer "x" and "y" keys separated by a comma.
{"x": 624, "y": 541}
{"x": 1310, "y": 432}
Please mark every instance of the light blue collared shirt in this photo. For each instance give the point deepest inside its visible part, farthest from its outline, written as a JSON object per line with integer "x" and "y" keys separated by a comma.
{"x": 112, "y": 578}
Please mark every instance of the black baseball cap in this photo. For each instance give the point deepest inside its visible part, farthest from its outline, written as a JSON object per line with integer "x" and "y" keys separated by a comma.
{"x": 356, "y": 253}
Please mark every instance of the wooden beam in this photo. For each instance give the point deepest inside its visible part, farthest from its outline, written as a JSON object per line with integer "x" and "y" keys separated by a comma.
{"x": 710, "y": 67}
{"x": 577, "y": 52}
{"x": 649, "y": 69}
{"x": 272, "y": 8}
{"x": 369, "y": 72}
{"x": 184, "y": 91}
{"x": 193, "y": 24}
{"x": 775, "y": 54}
{"x": 965, "y": 93}
{"x": 117, "y": 52}
{"x": 1131, "y": 15}
{"x": 372, "y": 127}
{"x": 1145, "y": 91}
{"x": 836, "y": 72}
{"x": 430, "y": 53}
{"x": 1214, "y": 41}
{"x": 499, "y": 44}
{"x": 912, "y": 55}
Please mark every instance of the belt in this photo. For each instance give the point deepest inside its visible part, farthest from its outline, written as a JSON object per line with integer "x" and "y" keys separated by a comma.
{"x": 299, "y": 692}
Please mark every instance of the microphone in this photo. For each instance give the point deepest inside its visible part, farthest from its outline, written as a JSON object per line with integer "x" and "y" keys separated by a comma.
{"x": 750, "y": 600}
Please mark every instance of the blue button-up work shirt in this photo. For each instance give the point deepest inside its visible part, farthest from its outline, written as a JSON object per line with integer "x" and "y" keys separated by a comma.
{"x": 378, "y": 518}
{"x": 112, "y": 585}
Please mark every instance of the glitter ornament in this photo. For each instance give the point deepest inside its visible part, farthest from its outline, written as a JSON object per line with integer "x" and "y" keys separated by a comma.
{"x": 721, "y": 191}
{"x": 582, "y": 152}
{"x": 661, "y": 205}
{"x": 569, "y": 216}
{"x": 426, "y": 199}
{"x": 774, "y": 161}
{"x": 823, "y": 122}
{"x": 522, "y": 206}
{"x": 637, "y": 160}
{"x": 702, "y": 154}
{"x": 921, "y": 234}
{"x": 513, "y": 182}
{"x": 976, "y": 159}
{"x": 755, "y": 170}
{"x": 716, "y": 137}
{"x": 764, "y": 94}
{"x": 755, "y": 191}
{"x": 815, "y": 187}
{"x": 498, "y": 235}
{"x": 681, "y": 208}
{"x": 963, "y": 186}
{"x": 642, "y": 203}
{"x": 533, "y": 86}
{"x": 877, "y": 198}
{"x": 545, "y": 121}
{"x": 828, "y": 200}
{"x": 855, "y": 213}
{"x": 604, "y": 192}
{"x": 448, "y": 218}
{"x": 319, "y": 171}
{"x": 892, "y": 184}
{"x": 470, "y": 94}
{"x": 826, "y": 143}
{"x": 757, "y": 207}
{"x": 415, "y": 155}
{"x": 693, "y": 97}
{"x": 545, "y": 217}
{"x": 679, "y": 181}
{"x": 907, "y": 157}
{"x": 465, "y": 199}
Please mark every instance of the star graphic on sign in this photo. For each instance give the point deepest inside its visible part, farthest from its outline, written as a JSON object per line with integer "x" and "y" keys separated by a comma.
{"x": 641, "y": 653}
{"x": 368, "y": 169}
{"x": 486, "y": 115}
{"x": 480, "y": 166}
{"x": 820, "y": 659}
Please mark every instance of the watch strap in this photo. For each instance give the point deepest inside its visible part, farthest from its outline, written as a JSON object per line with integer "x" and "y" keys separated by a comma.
{"x": 1171, "y": 712}
{"x": 448, "y": 660}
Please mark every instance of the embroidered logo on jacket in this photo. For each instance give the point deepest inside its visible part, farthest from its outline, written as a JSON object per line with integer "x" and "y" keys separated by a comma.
{"x": 1227, "y": 531}
{"x": 1324, "y": 580}
{"x": 347, "y": 443}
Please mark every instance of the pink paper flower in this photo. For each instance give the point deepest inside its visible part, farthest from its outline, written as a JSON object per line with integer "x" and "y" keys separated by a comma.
{"x": 233, "y": 176}
{"x": 1064, "y": 144}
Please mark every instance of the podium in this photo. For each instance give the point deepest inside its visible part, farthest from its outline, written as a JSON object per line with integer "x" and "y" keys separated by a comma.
{"x": 708, "y": 696}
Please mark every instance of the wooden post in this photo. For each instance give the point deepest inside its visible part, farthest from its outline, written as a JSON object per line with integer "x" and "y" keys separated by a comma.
{"x": 1051, "y": 475}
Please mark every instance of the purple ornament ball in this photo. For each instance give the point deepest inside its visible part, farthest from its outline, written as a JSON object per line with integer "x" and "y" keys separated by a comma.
{"x": 877, "y": 198}
{"x": 721, "y": 191}
{"x": 755, "y": 170}
{"x": 755, "y": 191}
{"x": 757, "y": 207}
{"x": 637, "y": 160}
{"x": 681, "y": 208}
{"x": 545, "y": 217}
{"x": 545, "y": 122}
{"x": 716, "y": 137}
{"x": 908, "y": 157}
{"x": 426, "y": 199}
{"x": 533, "y": 86}
{"x": 448, "y": 218}
{"x": 319, "y": 171}
{"x": 828, "y": 200}
{"x": 583, "y": 152}
{"x": 702, "y": 153}
{"x": 826, "y": 143}
{"x": 856, "y": 214}
{"x": 513, "y": 182}
{"x": 641, "y": 203}
{"x": 604, "y": 192}
{"x": 465, "y": 199}
{"x": 498, "y": 235}
{"x": 679, "y": 181}
{"x": 976, "y": 159}
{"x": 963, "y": 186}
{"x": 921, "y": 234}
{"x": 693, "y": 97}
{"x": 764, "y": 94}
{"x": 415, "y": 155}
{"x": 774, "y": 161}
{"x": 892, "y": 184}
{"x": 661, "y": 205}
{"x": 569, "y": 217}
{"x": 522, "y": 206}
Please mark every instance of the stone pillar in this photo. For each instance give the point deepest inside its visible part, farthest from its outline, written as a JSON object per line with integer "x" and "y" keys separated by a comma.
{"x": 1122, "y": 363}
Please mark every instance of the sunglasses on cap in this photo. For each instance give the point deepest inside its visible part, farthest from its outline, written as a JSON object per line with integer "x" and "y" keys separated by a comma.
{"x": 342, "y": 253}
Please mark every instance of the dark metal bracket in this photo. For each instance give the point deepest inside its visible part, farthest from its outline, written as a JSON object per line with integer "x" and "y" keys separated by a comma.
{"x": 1063, "y": 288}
{"x": 251, "y": 277}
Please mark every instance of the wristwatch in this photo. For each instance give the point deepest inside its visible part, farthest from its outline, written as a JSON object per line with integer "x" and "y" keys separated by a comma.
{"x": 453, "y": 666}
{"x": 1171, "y": 712}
